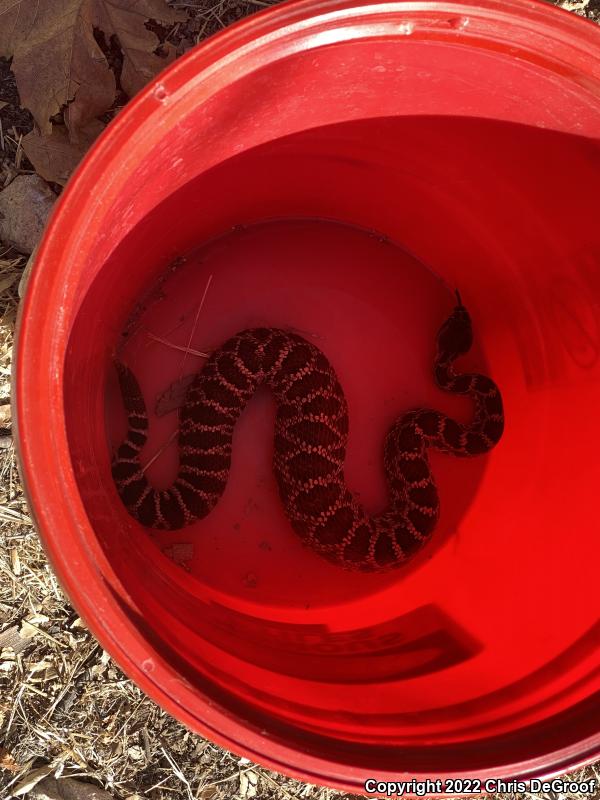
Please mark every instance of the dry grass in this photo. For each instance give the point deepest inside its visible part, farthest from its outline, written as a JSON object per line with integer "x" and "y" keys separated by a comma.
{"x": 583, "y": 8}
{"x": 208, "y": 17}
{"x": 65, "y": 708}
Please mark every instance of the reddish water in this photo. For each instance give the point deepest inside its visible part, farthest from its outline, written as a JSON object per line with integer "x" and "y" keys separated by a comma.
{"x": 377, "y": 326}
{"x": 433, "y": 646}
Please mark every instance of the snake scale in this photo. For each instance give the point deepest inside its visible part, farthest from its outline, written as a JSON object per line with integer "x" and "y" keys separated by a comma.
{"x": 311, "y": 432}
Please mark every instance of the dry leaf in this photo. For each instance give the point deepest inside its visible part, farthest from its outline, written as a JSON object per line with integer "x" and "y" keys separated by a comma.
{"x": 31, "y": 780}
{"x": 2, "y": 104}
{"x": 8, "y": 762}
{"x": 54, "y": 157}
{"x": 5, "y": 415}
{"x": 135, "y": 752}
{"x": 174, "y": 396}
{"x": 38, "y": 619}
{"x": 57, "y": 61}
{"x": 207, "y": 793}
{"x": 248, "y": 781}
{"x": 7, "y": 280}
{"x": 27, "y": 630}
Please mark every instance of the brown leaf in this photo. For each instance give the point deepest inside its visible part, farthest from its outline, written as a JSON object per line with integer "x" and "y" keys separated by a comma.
{"x": 6, "y": 281}
{"x": 5, "y": 415}
{"x": 8, "y": 762}
{"x": 56, "y": 58}
{"x": 31, "y": 779}
{"x": 173, "y": 396}
{"x": 57, "y": 61}
{"x": 140, "y": 64}
{"x": 209, "y": 793}
{"x": 54, "y": 157}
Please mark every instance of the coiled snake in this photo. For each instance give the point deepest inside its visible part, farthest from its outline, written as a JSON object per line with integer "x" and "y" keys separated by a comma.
{"x": 311, "y": 431}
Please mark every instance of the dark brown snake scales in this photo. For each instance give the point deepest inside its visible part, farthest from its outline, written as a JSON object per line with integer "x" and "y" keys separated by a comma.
{"x": 311, "y": 431}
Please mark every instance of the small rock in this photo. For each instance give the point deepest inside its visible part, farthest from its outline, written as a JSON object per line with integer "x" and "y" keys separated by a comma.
{"x": 24, "y": 208}
{"x": 67, "y": 789}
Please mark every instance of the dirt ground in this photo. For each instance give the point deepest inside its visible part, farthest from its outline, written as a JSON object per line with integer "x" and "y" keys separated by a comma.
{"x": 65, "y": 709}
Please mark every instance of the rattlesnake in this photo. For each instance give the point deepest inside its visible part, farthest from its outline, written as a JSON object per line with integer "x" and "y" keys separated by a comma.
{"x": 311, "y": 431}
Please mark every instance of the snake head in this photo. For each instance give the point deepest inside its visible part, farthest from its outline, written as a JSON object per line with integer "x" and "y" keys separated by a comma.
{"x": 455, "y": 337}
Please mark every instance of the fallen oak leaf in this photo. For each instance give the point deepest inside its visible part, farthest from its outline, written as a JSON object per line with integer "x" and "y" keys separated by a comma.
{"x": 127, "y": 20}
{"x": 58, "y": 63}
{"x": 54, "y": 157}
{"x": 56, "y": 60}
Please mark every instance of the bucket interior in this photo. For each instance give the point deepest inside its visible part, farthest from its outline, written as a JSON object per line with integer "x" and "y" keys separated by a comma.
{"x": 344, "y": 192}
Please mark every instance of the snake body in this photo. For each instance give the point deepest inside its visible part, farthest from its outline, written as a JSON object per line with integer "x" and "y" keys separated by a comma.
{"x": 311, "y": 432}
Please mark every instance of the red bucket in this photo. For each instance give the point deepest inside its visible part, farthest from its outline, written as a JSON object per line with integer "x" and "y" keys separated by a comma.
{"x": 338, "y": 169}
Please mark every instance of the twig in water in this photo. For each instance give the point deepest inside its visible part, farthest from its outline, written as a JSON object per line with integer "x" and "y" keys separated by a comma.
{"x": 194, "y": 326}
{"x": 178, "y": 346}
{"x": 160, "y": 451}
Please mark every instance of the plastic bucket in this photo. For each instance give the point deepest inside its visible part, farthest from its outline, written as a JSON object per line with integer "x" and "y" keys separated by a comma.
{"x": 338, "y": 169}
